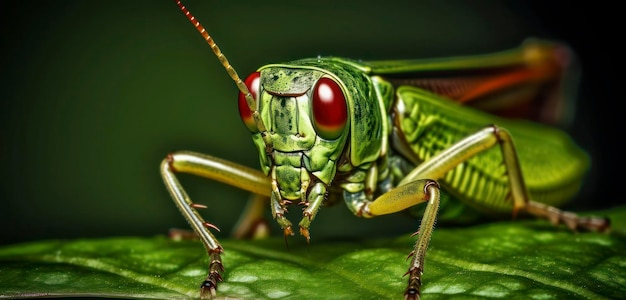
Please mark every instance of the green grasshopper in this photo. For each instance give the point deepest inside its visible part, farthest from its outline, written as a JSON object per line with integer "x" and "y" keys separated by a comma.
{"x": 385, "y": 136}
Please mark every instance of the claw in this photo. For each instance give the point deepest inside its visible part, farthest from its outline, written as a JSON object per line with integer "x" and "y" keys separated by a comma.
{"x": 305, "y": 232}
{"x": 412, "y": 294}
{"x": 287, "y": 232}
{"x": 207, "y": 290}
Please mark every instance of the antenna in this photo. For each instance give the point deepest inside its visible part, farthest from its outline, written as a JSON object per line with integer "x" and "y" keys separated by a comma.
{"x": 231, "y": 71}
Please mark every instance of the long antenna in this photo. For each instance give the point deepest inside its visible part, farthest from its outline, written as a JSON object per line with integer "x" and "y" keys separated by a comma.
{"x": 231, "y": 71}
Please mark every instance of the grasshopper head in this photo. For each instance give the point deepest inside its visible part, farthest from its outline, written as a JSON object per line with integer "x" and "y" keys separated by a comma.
{"x": 306, "y": 117}
{"x": 311, "y": 110}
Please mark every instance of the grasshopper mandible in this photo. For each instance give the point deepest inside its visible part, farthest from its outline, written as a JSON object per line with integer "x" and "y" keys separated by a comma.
{"x": 385, "y": 136}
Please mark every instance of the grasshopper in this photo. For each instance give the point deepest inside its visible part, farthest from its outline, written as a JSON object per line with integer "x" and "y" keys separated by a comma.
{"x": 385, "y": 136}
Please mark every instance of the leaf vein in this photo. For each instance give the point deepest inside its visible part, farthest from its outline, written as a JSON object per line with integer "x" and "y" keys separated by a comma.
{"x": 101, "y": 266}
{"x": 300, "y": 260}
{"x": 443, "y": 258}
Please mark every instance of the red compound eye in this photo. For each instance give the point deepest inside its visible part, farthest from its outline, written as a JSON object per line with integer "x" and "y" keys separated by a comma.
{"x": 252, "y": 82}
{"x": 329, "y": 109}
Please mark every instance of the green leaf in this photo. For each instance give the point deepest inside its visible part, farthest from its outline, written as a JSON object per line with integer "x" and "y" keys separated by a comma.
{"x": 525, "y": 259}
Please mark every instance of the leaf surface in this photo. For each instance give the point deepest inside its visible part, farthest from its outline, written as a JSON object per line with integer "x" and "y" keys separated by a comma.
{"x": 524, "y": 259}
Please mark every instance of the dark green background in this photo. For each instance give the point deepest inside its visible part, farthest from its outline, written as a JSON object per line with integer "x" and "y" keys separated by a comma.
{"x": 95, "y": 93}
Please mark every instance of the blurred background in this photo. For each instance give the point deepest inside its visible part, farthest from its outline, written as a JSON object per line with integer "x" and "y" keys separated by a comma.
{"x": 95, "y": 94}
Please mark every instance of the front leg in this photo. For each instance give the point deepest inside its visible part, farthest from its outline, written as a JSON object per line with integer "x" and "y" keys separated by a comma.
{"x": 400, "y": 198}
{"x": 407, "y": 195}
{"x": 213, "y": 168}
